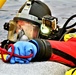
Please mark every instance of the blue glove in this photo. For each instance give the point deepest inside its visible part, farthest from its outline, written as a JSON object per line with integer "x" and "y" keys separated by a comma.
{"x": 22, "y": 48}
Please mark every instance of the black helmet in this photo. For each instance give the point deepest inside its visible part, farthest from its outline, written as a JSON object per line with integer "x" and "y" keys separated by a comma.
{"x": 33, "y": 11}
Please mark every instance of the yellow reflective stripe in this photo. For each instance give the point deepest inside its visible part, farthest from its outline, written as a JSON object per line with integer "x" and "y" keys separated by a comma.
{"x": 72, "y": 71}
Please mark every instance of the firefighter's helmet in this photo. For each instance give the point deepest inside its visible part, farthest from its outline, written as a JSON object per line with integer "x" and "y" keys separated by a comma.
{"x": 33, "y": 11}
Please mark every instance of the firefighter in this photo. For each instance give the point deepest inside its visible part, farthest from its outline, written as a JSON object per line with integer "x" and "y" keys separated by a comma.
{"x": 27, "y": 22}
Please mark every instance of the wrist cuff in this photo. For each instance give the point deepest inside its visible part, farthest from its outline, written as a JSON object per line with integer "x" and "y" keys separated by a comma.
{"x": 44, "y": 50}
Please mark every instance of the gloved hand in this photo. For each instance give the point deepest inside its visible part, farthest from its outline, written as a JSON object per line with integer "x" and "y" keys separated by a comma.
{"x": 22, "y": 48}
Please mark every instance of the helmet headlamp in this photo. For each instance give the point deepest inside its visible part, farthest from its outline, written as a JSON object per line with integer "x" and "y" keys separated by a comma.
{"x": 49, "y": 24}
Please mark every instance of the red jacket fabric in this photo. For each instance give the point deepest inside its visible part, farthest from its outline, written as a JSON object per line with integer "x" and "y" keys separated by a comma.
{"x": 68, "y": 47}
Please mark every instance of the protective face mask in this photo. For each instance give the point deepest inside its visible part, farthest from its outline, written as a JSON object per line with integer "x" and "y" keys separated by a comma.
{"x": 22, "y": 31}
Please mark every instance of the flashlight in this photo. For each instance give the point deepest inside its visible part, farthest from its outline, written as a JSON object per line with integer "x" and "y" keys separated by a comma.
{"x": 48, "y": 26}
{"x": 45, "y": 30}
